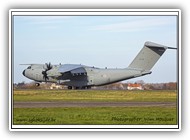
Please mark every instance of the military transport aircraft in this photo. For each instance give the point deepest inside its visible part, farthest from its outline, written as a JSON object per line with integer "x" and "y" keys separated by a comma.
{"x": 77, "y": 76}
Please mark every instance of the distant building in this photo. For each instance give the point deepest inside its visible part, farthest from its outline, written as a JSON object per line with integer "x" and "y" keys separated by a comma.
{"x": 135, "y": 87}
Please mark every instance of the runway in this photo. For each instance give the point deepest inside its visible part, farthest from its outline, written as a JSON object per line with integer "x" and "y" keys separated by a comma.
{"x": 91, "y": 104}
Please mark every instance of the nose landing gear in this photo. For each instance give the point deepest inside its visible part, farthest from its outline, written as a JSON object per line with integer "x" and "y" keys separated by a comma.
{"x": 37, "y": 84}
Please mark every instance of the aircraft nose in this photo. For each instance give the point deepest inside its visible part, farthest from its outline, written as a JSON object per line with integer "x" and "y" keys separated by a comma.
{"x": 23, "y": 72}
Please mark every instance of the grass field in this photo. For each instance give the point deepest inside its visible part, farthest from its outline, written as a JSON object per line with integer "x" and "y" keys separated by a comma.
{"x": 94, "y": 95}
{"x": 95, "y": 115}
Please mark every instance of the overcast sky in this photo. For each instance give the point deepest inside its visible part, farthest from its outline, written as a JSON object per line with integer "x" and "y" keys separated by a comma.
{"x": 100, "y": 41}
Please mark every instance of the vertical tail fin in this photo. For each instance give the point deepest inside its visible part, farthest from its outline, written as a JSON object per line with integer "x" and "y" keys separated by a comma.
{"x": 148, "y": 56}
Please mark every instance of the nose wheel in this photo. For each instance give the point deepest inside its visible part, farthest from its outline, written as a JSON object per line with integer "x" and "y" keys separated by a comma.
{"x": 37, "y": 84}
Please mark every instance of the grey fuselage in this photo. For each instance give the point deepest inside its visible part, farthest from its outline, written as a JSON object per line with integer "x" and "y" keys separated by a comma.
{"x": 91, "y": 76}
{"x": 81, "y": 76}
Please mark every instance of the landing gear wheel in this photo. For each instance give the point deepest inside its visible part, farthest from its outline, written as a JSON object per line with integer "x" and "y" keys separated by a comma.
{"x": 76, "y": 87}
{"x": 37, "y": 84}
{"x": 69, "y": 87}
{"x": 88, "y": 87}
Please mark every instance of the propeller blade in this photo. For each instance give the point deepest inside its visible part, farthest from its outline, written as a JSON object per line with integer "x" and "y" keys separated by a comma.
{"x": 48, "y": 67}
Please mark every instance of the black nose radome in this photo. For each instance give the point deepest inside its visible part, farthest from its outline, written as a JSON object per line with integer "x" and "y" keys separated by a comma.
{"x": 23, "y": 72}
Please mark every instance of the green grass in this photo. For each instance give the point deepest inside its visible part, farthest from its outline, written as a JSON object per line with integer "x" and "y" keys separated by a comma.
{"x": 94, "y": 95}
{"x": 95, "y": 115}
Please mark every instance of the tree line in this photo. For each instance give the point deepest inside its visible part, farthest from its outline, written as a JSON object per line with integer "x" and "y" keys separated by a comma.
{"x": 119, "y": 85}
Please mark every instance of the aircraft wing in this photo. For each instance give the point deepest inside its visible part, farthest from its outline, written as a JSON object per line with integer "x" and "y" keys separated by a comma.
{"x": 73, "y": 68}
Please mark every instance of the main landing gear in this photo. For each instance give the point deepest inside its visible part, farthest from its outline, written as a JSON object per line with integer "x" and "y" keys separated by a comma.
{"x": 84, "y": 87}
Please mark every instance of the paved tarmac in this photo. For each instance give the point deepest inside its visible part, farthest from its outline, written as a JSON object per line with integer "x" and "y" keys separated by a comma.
{"x": 91, "y": 104}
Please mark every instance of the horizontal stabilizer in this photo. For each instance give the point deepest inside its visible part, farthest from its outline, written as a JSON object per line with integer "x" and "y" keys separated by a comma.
{"x": 172, "y": 48}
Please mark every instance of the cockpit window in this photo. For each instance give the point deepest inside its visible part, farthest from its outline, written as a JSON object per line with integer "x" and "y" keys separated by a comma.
{"x": 29, "y": 67}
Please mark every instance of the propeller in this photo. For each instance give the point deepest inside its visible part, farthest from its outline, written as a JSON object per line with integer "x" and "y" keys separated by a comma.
{"x": 47, "y": 68}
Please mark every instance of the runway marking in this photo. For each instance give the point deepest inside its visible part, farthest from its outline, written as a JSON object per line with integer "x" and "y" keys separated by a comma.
{"x": 91, "y": 104}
